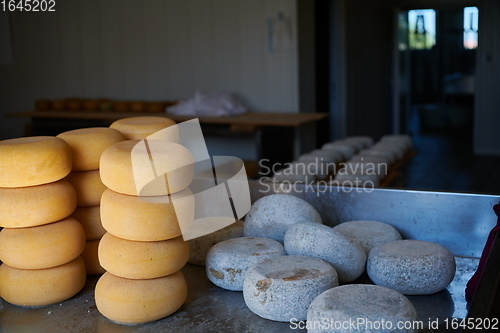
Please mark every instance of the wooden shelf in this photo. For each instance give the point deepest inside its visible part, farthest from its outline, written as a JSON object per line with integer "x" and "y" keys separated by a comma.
{"x": 248, "y": 121}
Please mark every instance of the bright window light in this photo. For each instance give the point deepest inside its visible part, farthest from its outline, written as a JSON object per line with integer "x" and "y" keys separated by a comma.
{"x": 471, "y": 25}
{"x": 422, "y": 29}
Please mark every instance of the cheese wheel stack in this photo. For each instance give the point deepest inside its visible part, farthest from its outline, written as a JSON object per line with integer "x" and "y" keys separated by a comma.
{"x": 143, "y": 250}
{"x": 139, "y": 128}
{"x": 40, "y": 244}
{"x": 87, "y": 145}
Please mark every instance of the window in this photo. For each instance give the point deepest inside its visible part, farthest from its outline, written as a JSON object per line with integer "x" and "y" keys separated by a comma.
{"x": 422, "y": 29}
{"x": 471, "y": 23}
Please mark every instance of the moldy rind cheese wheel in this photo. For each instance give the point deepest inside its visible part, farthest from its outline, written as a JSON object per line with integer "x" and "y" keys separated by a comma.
{"x": 129, "y": 217}
{"x": 87, "y": 145}
{"x": 91, "y": 258}
{"x": 39, "y": 287}
{"x": 138, "y": 128}
{"x": 142, "y": 260}
{"x": 36, "y": 205}
{"x": 88, "y": 187}
{"x": 42, "y": 246}
{"x": 139, "y": 301}
{"x": 90, "y": 219}
{"x": 33, "y": 161}
{"x": 117, "y": 171}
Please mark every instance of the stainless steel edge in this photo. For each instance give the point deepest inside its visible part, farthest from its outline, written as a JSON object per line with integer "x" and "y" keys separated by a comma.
{"x": 459, "y": 221}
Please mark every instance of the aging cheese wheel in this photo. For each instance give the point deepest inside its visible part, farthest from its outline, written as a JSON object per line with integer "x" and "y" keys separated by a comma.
{"x": 138, "y": 128}
{"x": 322, "y": 165}
{"x": 367, "y": 141}
{"x": 368, "y": 234}
{"x": 142, "y": 260}
{"x": 90, "y": 218}
{"x": 130, "y": 217}
{"x": 389, "y": 155}
{"x": 398, "y": 138}
{"x": 91, "y": 258}
{"x": 411, "y": 267}
{"x": 281, "y": 288}
{"x": 371, "y": 309}
{"x": 345, "y": 148}
{"x": 39, "y": 287}
{"x": 228, "y": 260}
{"x": 36, "y": 205}
{"x": 172, "y": 172}
{"x": 139, "y": 301}
{"x": 356, "y": 144}
{"x": 87, "y": 145}
{"x": 336, "y": 156}
{"x": 375, "y": 159}
{"x": 317, "y": 240}
{"x": 395, "y": 148}
{"x": 199, "y": 247}
{"x": 42, "y": 246}
{"x": 272, "y": 215}
{"x": 33, "y": 161}
{"x": 88, "y": 187}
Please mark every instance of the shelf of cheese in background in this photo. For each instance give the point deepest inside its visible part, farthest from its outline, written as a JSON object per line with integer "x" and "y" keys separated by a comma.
{"x": 87, "y": 145}
{"x": 40, "y": 245}
{"x": 353, "y": 160}
{"x": 142, "y": 250}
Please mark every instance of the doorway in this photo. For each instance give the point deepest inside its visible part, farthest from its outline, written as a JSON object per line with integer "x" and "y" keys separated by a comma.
{"x": 435, "y": 68}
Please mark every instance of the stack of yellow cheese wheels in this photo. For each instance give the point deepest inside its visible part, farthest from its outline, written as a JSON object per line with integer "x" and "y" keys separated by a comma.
{"x": 40, "y": 244}
{"x": 87, "y": 145}
{"x": 139, "y": 128}
{"x": 143, "y": 250}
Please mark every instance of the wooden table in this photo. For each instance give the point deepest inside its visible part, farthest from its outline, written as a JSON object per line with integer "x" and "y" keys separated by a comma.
{"x": 248, "y": 119}
{"x": 251, "y": 122}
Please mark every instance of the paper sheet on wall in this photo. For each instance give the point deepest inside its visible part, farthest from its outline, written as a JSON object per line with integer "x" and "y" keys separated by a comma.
{"x": 279, "y": 34}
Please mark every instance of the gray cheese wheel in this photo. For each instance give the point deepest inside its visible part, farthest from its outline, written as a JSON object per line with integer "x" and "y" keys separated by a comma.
{"x": 363, "y": 305}
{"x": 368, "y": 234}
{"x": 317, "y": 240}
{"x": 199, "y": 247}
{"x": 411, "y": 267}
{"x": 281, "y": 288}
{"x": 272, "y": 215}
{"x": 228, "y": 260}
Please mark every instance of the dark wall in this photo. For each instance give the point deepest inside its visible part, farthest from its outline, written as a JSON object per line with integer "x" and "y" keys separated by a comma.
{"x": 369, "y": 31}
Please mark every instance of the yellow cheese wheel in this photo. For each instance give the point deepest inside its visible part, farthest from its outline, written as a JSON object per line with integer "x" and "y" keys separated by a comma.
{"x": 90, "y": 218}
{"x": 88, "y": 187}
{"x": 139, "y": 301}
{"x": 130, "y": 217}
{"x": 142, "y": 260}
{"x": 173, "y": 168}
{"x": 42, "y": 246}
{"x": 36, "y": 205}
{"x": 33, "y": 161}
{"x": 138, "y": 128}
{"x": 87, "y": 145}
{"x": 91, "y": 258}
{"x": 39, "y": 287}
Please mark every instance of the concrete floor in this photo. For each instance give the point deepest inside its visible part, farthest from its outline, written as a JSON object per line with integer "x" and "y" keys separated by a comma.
{"x": 445, "y": 162}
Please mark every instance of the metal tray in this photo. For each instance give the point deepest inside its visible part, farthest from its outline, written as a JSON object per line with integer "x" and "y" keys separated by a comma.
{"x": 459, "y": 221}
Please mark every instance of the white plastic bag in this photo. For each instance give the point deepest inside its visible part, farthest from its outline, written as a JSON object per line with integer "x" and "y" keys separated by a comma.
{"x": 217, "y": 104}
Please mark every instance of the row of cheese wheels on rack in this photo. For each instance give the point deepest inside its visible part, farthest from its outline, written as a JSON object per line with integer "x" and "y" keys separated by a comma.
{"x": 352, "y": 161}
{"x": 69, "y": 207}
